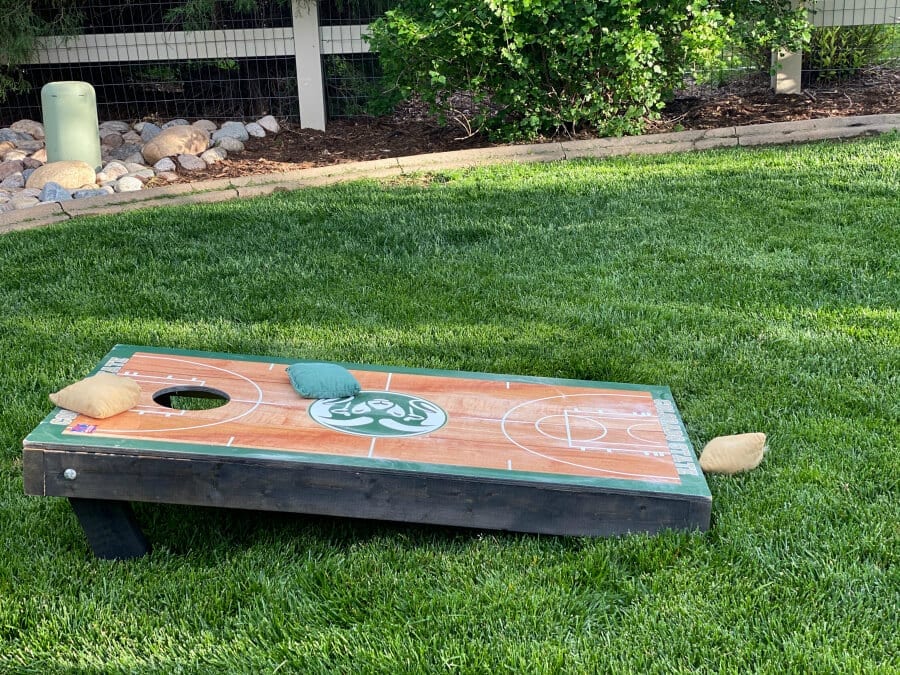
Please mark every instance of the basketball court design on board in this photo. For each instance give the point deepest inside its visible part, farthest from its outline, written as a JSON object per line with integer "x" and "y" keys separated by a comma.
{"x": 413, "y": 423}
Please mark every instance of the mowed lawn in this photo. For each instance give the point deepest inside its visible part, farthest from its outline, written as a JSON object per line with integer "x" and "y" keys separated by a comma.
{"x": 762, "y": 286}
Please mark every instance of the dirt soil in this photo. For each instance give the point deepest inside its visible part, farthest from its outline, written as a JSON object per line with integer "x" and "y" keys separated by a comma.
{"x": 411, "y": 130}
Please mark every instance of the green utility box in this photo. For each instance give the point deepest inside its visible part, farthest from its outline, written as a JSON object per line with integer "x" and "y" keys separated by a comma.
{"x": 70, "y": 122}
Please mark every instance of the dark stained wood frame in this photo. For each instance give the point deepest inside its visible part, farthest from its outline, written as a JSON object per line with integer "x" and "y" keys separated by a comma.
{"x": 105, "y": 479}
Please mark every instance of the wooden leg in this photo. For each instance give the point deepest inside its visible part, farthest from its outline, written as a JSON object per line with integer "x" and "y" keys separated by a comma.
{"x": 111, "y": 528}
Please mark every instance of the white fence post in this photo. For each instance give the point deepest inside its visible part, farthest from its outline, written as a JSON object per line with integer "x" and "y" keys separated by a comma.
{"x": 310, "y": 87}
{"x": 788, "y": 69}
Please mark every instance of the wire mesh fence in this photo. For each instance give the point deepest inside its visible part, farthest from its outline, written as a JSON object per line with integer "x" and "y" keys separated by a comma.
{"x": 172, "y": 59}
{"x": 352, "y": 78}
{"x": 834, "y": 53}
{"x": 236, "y": 60}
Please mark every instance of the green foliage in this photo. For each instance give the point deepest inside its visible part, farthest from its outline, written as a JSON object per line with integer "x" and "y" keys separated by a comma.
{"x": 763, "y": 25}
{"x": 20, "y": 27}
{"x": 207, "y": 14}
{"x": 353, "y": 86}
{"x": 541, "y": 66}
{"x": 836, "y": 52}
{"x": 157, "y": 73}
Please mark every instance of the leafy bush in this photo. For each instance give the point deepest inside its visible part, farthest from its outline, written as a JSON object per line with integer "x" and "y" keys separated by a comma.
{"x": 194, "y": 15}
{"x": 21, "y": 24}
{"x": 544, "y": 66}
{"x": 837, "y": 52}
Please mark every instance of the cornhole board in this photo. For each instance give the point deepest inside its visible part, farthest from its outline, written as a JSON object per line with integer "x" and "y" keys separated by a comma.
{"x": 505, "y": 452}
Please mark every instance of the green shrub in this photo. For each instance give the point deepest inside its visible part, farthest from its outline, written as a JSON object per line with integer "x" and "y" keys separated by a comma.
{"x": 836, "y": 52}
{"x": 21, "y": 24}
{"x": 544, "y": 66}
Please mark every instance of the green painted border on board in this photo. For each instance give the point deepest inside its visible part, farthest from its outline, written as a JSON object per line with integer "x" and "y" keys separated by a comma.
{"x": 50, "y": 435}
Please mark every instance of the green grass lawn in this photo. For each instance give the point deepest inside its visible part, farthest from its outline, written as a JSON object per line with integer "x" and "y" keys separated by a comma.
{"x": 762, "y": 286}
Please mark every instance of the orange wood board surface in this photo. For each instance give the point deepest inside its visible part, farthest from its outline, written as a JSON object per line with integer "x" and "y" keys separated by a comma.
{"x": 431, "y": 418}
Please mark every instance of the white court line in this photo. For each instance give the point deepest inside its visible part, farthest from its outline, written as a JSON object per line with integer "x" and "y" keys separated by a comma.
{"x": 387, "y": 386}
{"x": 609, "y": 472}
{"x": 253, "y": 404}
{"x": 152, "y": 410}
{"x": 509, "y": 464}
{"x": 622, "y": 451}
{"x": 372, "y": 447}
{"x": 230, "y": 441}
{"x": 636, "y": 436}
{"x": 160, "y": 378}
{"x": 530, "y": 422}
{"x": 271, "y": 366}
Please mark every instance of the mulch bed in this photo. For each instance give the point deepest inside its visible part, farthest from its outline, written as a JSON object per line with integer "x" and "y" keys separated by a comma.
{"x": 411, "y": 131}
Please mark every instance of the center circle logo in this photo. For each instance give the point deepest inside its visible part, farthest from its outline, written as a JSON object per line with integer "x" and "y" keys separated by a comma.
{"x": 379, "y": 413}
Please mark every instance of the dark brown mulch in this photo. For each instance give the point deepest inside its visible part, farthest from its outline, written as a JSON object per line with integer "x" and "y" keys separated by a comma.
{"x": 411, "y": 131}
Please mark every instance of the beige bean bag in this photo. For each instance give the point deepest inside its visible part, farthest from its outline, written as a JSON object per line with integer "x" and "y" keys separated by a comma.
{"x": 733, "y": 454}
{"x": 101, "y": 395}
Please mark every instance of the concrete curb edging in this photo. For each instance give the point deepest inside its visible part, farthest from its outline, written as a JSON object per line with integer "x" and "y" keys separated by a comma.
{"x": 249, "y": 186}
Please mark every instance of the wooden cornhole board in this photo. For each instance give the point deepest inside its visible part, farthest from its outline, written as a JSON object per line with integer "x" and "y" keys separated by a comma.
{"x": 478, "y": 450}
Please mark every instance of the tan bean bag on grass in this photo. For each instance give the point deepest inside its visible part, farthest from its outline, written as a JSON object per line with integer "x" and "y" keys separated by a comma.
{"x": 733, "y": 454}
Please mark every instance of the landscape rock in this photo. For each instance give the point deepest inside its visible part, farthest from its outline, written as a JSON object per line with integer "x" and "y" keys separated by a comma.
{"x": 29, "y": 146}
{"x": 111, "y": 139}
{"x": 71, "y": 174}
{"x": 15, "y": 136}
{"x": 144, "y": 175}
{"x": 11, "y": 167}
{"x": 115, "y": 126}
{"x": 230, "y": 144}
{"x": 207, "y": 125}
{"x": 134, "y": 158}
{"x": 129, "y": 184}
{"x": 149, "y": 131}
{"x": 180, "y": 140}
{"x": 175, "y": 123}
{"x": 214, "y": 155}
{"x": 255, "y": 130}
{"x": 54, "y": 192}
{"x": 30, "y": 127}
{"x": 24, "y": 202}
{"x": 191, "y": 163}
{"x": 13, "y": 181}
{"x": 165, "y": 164}
{"x": 27, "y": 179}
{"x": 112, "y": 171}
{"x": 232, "y": 130}
{"x": 270, "y": 124}
{"x": 123, "y": 151}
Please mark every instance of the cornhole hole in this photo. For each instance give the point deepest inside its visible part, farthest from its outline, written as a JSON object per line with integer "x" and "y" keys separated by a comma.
{"x": 478, "y": 450}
